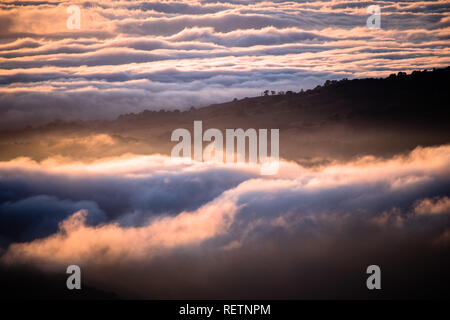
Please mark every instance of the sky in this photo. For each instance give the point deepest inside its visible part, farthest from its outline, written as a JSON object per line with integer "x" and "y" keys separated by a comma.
{"x": 129, "y": 56}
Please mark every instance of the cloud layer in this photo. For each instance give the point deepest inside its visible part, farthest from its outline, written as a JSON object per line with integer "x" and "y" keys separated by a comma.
{"x": 342, "y": 216}
{"x": 132, "y": 55}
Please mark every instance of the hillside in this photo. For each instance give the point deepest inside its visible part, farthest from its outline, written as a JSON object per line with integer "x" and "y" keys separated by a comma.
{"x": 337, "y": 121}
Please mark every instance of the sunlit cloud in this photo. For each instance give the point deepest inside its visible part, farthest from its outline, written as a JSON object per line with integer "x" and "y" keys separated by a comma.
{"x": 296, "y": 205}
{"x": 199, "y": 52}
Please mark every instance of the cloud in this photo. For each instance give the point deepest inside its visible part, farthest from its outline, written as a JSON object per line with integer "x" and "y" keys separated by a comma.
{"x": 108, "y": 93}
{"x": 38, "y": 216}
{"x": 144, "y": 226}
{"x": 110, "y": 243}
{"x": 153, "y": 186}
{"x": 300, "y": 218}
{"x": 433, "y": 206}
{"x": 197, "y": 52}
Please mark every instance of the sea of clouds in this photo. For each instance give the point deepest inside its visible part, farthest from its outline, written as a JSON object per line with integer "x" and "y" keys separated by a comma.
{"x": 146, "y": 226}
{"x": 134, "y": 55}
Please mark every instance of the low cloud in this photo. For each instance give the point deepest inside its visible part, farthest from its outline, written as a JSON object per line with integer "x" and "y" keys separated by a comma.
{"x": 298, "y": 215}
{"x": 433, "y": 206}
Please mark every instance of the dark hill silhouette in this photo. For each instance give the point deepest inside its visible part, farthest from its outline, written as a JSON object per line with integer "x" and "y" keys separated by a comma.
{"x": 339, "y": 120}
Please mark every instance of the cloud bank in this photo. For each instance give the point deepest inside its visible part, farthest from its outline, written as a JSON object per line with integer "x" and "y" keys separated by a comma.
{"x": 135, "y": 55}
{"x": 251, "y": 236}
